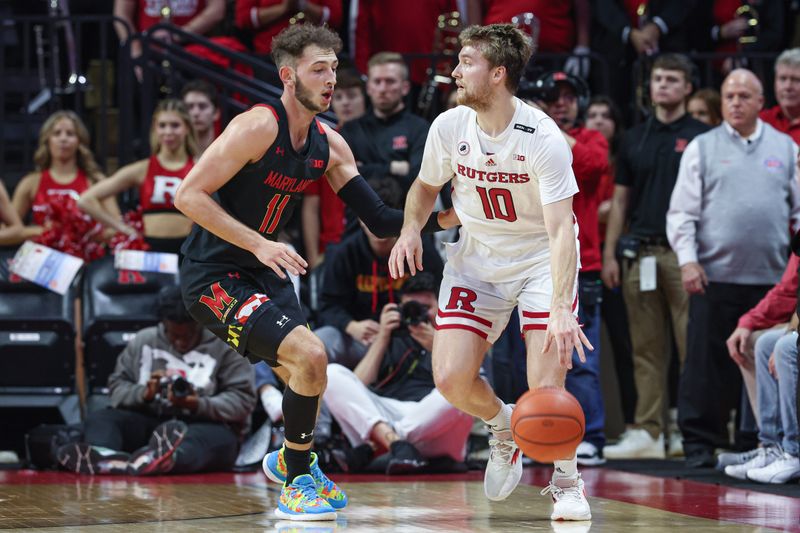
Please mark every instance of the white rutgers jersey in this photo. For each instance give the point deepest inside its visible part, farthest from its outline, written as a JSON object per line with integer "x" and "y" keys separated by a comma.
{"x": 499, "y": 196}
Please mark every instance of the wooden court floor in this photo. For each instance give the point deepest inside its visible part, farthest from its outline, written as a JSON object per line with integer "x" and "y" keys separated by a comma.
{"x": 621, "y": 502}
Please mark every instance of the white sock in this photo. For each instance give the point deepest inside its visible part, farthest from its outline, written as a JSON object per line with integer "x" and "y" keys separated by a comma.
{"x": 272, "y": 400}
{"x": 566, "y": 469}
{"x": 501, "y": 421}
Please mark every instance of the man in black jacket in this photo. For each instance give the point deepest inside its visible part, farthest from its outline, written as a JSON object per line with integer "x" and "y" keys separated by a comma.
{"x": 388, "y": 140}
{"x": 356, "y": 285}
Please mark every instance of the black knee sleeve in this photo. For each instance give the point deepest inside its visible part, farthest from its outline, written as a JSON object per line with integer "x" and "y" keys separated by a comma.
{"x": 299, "y": 416}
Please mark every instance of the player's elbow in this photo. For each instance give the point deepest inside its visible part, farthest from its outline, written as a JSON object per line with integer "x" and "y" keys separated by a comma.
{"x": 181, "y": 201}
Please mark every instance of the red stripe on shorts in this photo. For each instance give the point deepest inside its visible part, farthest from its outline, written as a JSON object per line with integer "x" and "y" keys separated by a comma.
{"x": 476, "y": 331}
{"x": 460, "y": 314}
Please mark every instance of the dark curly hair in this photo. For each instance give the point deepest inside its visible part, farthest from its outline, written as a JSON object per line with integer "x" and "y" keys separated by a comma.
{"x": 169, "y": 305}
{"x": 422, "y": 282}
{"x": 503, "y": 45}
{"x": 289, "y": 44}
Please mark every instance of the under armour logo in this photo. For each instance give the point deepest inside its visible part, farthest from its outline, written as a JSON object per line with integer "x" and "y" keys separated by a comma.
{"x": 233, "y": 275}
{"x": 306, "y": 435}
{"x": 279, "y": 150}
{"x": 282, "y": 322}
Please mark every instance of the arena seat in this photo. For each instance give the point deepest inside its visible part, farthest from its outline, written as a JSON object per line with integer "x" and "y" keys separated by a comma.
{"x": 116, "y": 304}
{"x": 37, "y": 336}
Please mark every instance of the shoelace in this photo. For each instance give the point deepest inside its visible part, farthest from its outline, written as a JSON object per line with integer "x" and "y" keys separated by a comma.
{"x": 502, "y": 450}
{"x": 309, "y": 491}
{"x": 559, "y": 493}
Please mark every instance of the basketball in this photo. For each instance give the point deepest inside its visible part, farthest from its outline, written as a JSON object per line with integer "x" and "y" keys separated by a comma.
{"x": 548, "y": 424}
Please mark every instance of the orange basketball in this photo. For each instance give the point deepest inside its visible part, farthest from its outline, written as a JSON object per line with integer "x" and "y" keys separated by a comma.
{"x": 548, "y": 424}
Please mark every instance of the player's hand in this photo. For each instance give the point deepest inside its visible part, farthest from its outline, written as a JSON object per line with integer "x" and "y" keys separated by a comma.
{"x": 737, "y": 346}
{"x": 279, "y": 256}
{"x": 610, "y": 273}
{"x": 694, "y": 278}
{"x": 407, "y": 248}
{"x": 563, "y": 331}
{"x": 364, "y": 331}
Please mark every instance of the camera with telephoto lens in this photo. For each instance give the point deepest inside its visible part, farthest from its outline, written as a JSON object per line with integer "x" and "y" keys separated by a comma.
{"x": 412, "y": 313}
{"x": 181, "y": 388}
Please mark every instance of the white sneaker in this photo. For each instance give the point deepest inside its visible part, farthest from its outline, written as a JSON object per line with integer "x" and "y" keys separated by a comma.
{"x": 636, "y": 444}
{"x": 504, "y": 468}
{"x": 763, "y": 457}
{"x": 733, "y": 458}
{"x": 675, "y": 444}
{"x": 569, "y": 502}
{"x": 781, "y": 470}
{"x": 588, "y": 454}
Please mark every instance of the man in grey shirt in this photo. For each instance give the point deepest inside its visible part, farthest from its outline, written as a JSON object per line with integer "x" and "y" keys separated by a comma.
{"x": 728, "y": 222}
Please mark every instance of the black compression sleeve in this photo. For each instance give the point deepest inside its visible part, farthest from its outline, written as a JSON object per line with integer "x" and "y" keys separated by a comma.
{"x": 381, "y": 220}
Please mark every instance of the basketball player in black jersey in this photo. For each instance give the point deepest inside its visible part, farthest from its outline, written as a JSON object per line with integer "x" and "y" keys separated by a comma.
{"x": 241, "y": 193}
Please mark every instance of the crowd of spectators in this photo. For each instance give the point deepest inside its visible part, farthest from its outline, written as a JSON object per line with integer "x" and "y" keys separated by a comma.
{"x": 687, "y": 197}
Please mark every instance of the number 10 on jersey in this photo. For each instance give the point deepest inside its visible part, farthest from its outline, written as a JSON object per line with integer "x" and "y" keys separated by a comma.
{"x": 497, "y": 203}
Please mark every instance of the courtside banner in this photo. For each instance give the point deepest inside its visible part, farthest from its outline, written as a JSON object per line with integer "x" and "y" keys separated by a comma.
{"x": 45, "y": 266}
{"x": 146, "y": 261}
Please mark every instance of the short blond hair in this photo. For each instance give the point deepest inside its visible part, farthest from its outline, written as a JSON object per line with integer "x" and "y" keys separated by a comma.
{"x": 503, "y": 45}
{"x": 388, "y": 58}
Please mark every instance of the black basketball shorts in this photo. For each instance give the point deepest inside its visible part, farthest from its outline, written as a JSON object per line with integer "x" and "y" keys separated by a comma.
{"x": 238, "y": 303}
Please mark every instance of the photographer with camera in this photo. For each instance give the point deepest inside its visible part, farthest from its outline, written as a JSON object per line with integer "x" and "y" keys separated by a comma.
{"x": 180, "y": 399}
{"x": 357, "y": 284}
{"x": 389, "y": 401}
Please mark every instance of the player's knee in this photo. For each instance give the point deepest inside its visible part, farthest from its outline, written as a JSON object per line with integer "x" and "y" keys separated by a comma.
{"x": 313, "y": 363}
{"x": 450, "y": 385}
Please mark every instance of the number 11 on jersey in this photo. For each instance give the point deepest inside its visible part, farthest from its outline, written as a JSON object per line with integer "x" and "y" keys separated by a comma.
{"x": 274, "y": 211}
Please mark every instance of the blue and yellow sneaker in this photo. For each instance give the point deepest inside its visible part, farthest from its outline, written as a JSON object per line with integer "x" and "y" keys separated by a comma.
{"x": 299, "y": 501}
{"x": 275, "y": 469}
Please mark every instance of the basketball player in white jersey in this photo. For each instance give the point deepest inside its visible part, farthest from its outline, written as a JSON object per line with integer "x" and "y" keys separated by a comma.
{"x": 512, "y": 190}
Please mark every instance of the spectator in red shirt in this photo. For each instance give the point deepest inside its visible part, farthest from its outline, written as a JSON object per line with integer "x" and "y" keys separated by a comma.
{"x": 589, "y": 162}
{"x": 604, "y": 116}
{"x": 785, "y": 117}
{"x": 404, "y": 27}
{"x": 563, "y": 26}
{"x": 193, "y": 16}
{"x": 777, "y": 307}
{"x": 266, "y": 18}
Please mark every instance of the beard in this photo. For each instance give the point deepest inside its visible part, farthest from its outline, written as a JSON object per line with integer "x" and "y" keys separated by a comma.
{"x": 479, "y": 99}
{"x": 306, "y": 98}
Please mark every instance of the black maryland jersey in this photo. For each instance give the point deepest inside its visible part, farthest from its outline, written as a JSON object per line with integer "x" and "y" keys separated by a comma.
{"x": 263, "y": 194}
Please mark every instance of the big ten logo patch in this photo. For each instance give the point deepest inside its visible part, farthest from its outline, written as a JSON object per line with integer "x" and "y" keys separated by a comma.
{"x": 249, "y": 306}
{"x": 234, "y": 335}
{"x": 463, "y": 148}
{"x": 220, "y": 302}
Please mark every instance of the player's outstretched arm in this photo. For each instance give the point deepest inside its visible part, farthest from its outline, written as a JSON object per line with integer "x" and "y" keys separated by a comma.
{"x": 562, "y": 328}
{"x": 245, "y": 140}
{"x": 408, "y": 248}
{"x": 381, "y": 220}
